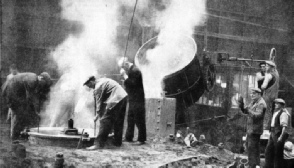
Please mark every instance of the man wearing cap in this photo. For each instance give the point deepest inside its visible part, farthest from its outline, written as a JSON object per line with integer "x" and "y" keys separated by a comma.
{"x": 22, "y": 94}
{"x": 136, "y": 98}
{"x": 255, "y": 113}
{"x": 270, "y": 88}
{"x": 279, "y": 132}
{"x": 110, "y": 105}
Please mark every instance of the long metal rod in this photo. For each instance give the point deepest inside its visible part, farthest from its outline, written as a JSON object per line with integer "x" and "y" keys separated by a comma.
{"x": 206, "y": 119}
{"x": 94, "y": 128}
{"x": 130, "y": 31}
{"x": 81, "y": 137}
{"x": 39, "y": 117}
{"x": 243, "y": 59}
{"x": 94, "y": 116}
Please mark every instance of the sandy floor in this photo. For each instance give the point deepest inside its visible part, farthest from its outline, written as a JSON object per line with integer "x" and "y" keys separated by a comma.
{"x": 152, "y": 154}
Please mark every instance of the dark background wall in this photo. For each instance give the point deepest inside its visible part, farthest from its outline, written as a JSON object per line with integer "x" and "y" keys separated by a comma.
{"x": 31, "y": 28}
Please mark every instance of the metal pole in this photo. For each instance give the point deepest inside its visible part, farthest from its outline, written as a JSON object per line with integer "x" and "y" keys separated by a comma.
{"x": 39, "y": 118}
{"x": 94, "y": 128}
{"x": 130, "y": 31}
{"x": 94, "y": 116}
{"x": 81, "y": 137}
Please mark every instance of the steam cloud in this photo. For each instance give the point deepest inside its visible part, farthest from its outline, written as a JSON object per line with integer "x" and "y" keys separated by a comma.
{"x": 78, "y": 57}
{"x": 83, "y": 52}
{"x": 175, "y": 22}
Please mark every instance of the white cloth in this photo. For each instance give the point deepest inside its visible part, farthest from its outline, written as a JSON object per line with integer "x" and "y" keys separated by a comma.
{"x": 288, "y": 150}
{"x": 274, "y": 118}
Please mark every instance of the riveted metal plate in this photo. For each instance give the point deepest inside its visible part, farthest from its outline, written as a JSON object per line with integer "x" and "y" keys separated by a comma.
{"x": 160, "y": 116}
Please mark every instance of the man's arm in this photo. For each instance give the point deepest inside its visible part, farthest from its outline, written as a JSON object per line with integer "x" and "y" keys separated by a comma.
{"x": 259, "y": 77}
{"x": 123, "y": 73}
{"x": 241, "y": 105}
{"x": 9, "y": 115}
{"x": 267, "y": 78}
{"x": 98, "y": 94}
{"x": 282, "y": 134}
{"x": 284, "y": 118}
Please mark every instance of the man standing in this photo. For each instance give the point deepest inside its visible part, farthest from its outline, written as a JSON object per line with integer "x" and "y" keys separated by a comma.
{"x": 22, "y": 93}
{"x": 270, "y": 88}
{"x": 280, "y": 125}
{"x": 110, "y": 105}
{"x": 255, "y": 113}
{"x": 136, "y": 99}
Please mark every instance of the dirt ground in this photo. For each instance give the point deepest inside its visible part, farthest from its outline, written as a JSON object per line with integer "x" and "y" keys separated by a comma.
{"x": 163, "y": 153}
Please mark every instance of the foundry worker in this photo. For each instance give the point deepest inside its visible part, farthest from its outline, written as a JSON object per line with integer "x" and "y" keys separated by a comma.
{"x": 136, "y": 100}
{"x": 110, "y": 106}
{"x": 22, "y": 94}
{"x": 279, "y": 132}
{"x": 260, "y": 75}
{"x": 270, "y": 88}
{"x": 255, "y": 112}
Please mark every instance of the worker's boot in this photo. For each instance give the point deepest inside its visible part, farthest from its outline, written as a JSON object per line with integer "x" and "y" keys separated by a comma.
{"x": 94, "y": 147}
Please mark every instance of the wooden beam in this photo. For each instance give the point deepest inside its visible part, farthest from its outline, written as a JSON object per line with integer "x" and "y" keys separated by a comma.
{"x": 240, "y": 38}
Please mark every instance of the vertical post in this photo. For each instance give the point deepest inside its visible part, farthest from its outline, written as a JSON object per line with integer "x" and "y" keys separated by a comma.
{"x": 1, "y": 43}
{"x": 39, "y": 118}
{"x": 205, "y": 36}
{"x": 94, "y": 116}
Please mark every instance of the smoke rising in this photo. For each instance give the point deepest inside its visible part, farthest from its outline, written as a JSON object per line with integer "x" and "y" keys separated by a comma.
{"x": 175, "y": 21}
{"x": 78, "y": 57}
{"x": 85, "y": 51}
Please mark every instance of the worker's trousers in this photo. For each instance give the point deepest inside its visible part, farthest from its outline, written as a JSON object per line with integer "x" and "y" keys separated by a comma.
{"x": 274, "y": 151}
{"x": 253, "y": 149}
{"x": 22, "y": 116}
{"x": 112, "y": 119}
{"x": 136, "y": 116}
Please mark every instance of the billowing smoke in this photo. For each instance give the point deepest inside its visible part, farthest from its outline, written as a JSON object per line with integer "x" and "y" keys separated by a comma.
{"x": 78, "y": 57}
{"x": 96, "y": 41}
{"x": 175, "y": 21}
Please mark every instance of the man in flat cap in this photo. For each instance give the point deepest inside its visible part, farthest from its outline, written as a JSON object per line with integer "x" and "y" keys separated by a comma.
{"x": 255, "y": 113}
{"x": 23, "y": 93}
{"x": 279, "y": 132}
{"x": 270, "y": 88}
{"x": 110, "y": 106}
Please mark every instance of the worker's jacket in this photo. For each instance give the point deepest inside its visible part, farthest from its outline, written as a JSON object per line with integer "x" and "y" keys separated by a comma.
{"x": 134, "y": 85}
{"x": 255, "y": 112}
{"x": 21, "y": 89}
{"x": 107, "y": 94}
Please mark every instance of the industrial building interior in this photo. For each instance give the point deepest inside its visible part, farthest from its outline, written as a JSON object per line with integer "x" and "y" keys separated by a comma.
{"x": 49, "y": 35}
